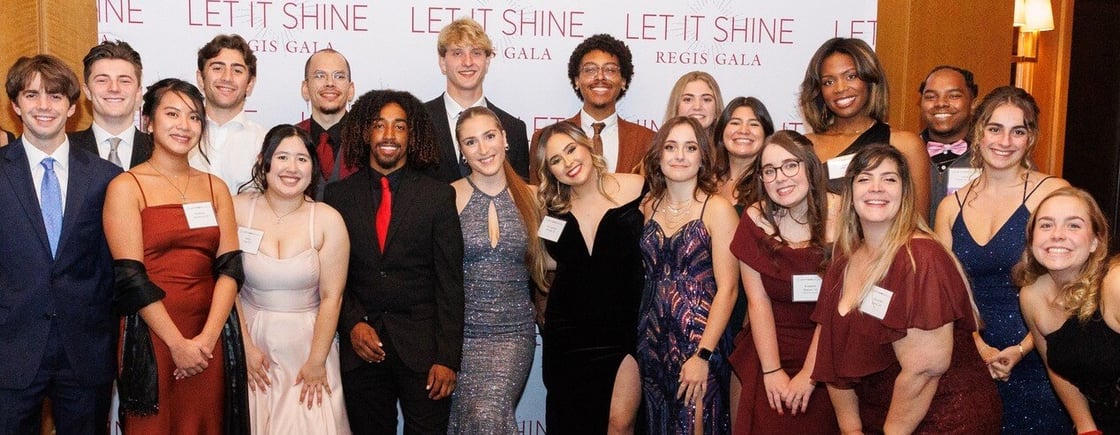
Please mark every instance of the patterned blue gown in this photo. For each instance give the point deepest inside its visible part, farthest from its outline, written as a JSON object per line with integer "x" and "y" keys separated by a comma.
{"x": 680, "y": 286}
{"x": 1030, "y": 405}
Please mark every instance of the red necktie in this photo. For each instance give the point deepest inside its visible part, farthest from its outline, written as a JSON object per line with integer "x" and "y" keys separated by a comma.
{"x": 326, "y": 155}
{"x": 384, "y": 212}
{"x": 935, "y": 148}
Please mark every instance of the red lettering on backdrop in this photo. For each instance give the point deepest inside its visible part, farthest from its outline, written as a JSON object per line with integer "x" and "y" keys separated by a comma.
{"x": 433, "y": 19}
{"x": 527, "y": 22}
{"x": 118, "y": 11}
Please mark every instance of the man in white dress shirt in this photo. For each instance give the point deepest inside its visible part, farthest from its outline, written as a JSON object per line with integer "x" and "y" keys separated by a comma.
{"x": 227, "y": 72}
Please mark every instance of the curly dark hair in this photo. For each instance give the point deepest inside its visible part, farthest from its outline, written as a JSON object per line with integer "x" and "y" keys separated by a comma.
{"x": 421, "y": 150}
{"x": 605, "y": 43}
{"x": 232, "y": 41}
{"x": 651, "y": 162}
{"x": 263, "y": 166}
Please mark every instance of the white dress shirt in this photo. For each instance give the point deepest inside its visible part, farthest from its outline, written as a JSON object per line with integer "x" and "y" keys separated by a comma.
{"x": 124, "y": 149}
{"x": 61, "y": 156}
{"x": 609, "y": 136}
{"x": 453, "y": 111}
{"x": 232, "y": 150}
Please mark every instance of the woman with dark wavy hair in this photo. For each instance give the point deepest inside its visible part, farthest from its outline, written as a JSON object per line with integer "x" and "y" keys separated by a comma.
{"x": 1071, "y": 303}
{"x": 296, "y": 252}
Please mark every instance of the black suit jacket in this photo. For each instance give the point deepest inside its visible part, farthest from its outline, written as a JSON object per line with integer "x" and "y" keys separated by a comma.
{"x": 412, "y": 294}
{"x": 141, "y": 144}
{"x": 449, "y": 169}
{"x": 72, "y": 290}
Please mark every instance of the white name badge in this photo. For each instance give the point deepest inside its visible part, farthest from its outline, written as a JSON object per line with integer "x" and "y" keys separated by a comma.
{"x": 200, "y": 215}
{"x": 551, "y": 228}
{"x": 877, "y": 302}
{"x": 249, "y": 239}
{"x": 960, "y": 177}
{"x": 806, "y": 288}
{"x": 838, "y": 165}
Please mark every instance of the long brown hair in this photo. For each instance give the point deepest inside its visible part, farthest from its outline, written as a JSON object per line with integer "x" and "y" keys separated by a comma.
{"x": 816, "y": 200}
{"x": 523, "y": 199}
{"x": 813, "y": 108}
{"x": 999, "y": 97}
{"x": 1081, "y": 297}
{"x": 651, "y": 163}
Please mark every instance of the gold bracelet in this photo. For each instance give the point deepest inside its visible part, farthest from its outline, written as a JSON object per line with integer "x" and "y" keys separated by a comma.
{"x": 1021, "y": 353}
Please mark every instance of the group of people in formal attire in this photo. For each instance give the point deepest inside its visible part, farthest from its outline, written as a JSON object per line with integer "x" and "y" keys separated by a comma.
{"x": 715, "y": 276}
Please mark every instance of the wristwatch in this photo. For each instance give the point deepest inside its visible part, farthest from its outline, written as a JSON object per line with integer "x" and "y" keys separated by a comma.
{"x": 704, "y": 354}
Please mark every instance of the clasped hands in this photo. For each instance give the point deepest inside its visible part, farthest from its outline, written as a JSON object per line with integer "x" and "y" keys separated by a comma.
{"x": 1000, "y": 362}
{"x": 191, "y": 356}
{"x": 784, "y": 392}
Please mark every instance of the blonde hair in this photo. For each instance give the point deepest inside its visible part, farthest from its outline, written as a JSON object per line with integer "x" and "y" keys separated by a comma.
{"x": 554, "y": 196}
{"x": 464, "y": 31}
{"x": 678, "y": 89}
{"x": 905, "y": 225}
{"x": 522, "y": 198}
{"x": 1081, "y": 297}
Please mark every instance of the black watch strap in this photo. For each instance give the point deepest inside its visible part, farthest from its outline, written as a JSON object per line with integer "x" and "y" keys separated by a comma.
{"x": 704, "y": 354}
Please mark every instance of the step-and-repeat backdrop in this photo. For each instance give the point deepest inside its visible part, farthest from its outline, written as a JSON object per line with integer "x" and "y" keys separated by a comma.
{"x": 752, "y": 48}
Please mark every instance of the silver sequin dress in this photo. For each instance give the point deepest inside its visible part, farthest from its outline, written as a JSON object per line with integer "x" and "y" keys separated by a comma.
{"x": 498, "y": 334}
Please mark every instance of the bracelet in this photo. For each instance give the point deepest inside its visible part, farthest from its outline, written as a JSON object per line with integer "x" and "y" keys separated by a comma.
{"x": 1092, "y": 432}
{"x": 771, "y": 371}
{"x": 1020, "y": 350}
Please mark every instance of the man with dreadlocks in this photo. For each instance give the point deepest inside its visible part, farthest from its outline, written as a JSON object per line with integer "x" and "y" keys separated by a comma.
{"x": 401, "y": 324}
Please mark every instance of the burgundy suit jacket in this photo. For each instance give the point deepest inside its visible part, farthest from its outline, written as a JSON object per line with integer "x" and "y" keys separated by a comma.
{"x": 633, "y": 140}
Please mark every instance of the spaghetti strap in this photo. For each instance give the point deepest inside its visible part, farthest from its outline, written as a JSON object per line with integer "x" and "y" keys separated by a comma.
{"x": 210, "y": 179}
{"x": 311, "y": 226}
{"x": 1036, "y": 186}
{"x": 253, "y": 209}
{"x": 957, "y": 194}
{"x": 143, "y": 197}
{"x": 704, "y": 207}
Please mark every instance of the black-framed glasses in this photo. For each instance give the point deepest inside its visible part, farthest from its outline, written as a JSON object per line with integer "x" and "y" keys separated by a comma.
{"x": 789, "y": 168}
{"x": 609, "y": 70}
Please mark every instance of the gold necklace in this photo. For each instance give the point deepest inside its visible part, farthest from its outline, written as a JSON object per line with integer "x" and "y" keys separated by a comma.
{"x": 856, "y": 131}
{"x": 279, "y": 218}
{"x": 186, "y": 188}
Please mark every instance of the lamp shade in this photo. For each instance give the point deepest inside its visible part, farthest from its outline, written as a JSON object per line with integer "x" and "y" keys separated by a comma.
{"x": 1039, "y": 16}
{"x": 1020, "y": 13}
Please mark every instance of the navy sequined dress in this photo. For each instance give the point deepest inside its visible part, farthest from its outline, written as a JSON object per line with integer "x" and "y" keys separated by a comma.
{"x": 1029, "y": 402}
{"x": 680, "y": 286}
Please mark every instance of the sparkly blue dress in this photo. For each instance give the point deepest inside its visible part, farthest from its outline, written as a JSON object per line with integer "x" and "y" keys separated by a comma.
{"x": 680, "y": 286}
{"x": 1029, "y": 402}
{"x": 498, "y": 331}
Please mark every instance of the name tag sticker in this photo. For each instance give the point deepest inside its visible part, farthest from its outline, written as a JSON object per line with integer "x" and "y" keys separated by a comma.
{"x": 200, "y": 215}
{"x": 959, "y": 177}
{"x": 551, "y": 228}
{"x": 838, "y": 165}
{"x": 877, "y": 302}
{"x": 806, "y": 288}
{"x": 249, "y": 239}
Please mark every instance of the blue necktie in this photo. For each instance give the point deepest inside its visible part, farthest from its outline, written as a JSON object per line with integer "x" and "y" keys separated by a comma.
{"x": 51, "y": 204}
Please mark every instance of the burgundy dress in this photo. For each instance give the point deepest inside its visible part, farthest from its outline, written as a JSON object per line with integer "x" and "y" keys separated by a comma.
{"x": 777, "y": 263}
{"x": 855, "y": 350}
{"x": 180, "y": 261}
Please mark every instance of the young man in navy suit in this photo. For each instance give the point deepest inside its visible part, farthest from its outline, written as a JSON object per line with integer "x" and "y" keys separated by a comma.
{"x": 112, "y": 85}
{"x": 401, "y": 324}
{"x": 57, "y": 332}
{"x": 464, "y": 57}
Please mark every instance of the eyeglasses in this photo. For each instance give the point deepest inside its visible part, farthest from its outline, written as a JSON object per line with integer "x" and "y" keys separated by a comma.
{"x": 789, "y": 168}
{"x": 338, "y": 76}
{"x": 592, "y": 70}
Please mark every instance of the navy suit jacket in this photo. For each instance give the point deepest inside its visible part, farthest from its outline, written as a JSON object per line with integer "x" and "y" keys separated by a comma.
{"x": 449, "y": 169}
{"x": 73, "y": 291}
{"x": 141, "y": 144}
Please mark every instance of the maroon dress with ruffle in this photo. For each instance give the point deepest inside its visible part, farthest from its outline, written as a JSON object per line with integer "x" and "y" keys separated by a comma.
{"x": 776, "y": 263}
{"x": 855, "y": 350}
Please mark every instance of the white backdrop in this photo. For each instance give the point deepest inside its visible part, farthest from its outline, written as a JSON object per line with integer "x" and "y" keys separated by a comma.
{"x": 752, "y": 47}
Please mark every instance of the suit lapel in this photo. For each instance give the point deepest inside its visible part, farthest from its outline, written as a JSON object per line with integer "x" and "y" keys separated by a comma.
{"x": 141, "y": 148}
{"x": 404, "y": 200}
{"x": 18, "y": 175}
{"x": 75, "y": 195}
{"x": 366, "y": 214}
{"x": 449, "y": 163}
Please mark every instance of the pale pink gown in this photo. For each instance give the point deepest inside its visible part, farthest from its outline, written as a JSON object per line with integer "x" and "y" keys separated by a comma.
{"x": 280, "y": 299}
